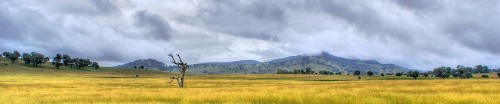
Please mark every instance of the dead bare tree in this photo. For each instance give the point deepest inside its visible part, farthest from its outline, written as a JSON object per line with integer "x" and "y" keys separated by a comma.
{"x": 182, "y": 67}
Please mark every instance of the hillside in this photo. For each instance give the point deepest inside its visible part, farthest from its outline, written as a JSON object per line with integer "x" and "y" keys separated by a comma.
{"x": 48, "y": 69}
{"x": 147, "y": 63}
{"x": 324, "y": 61}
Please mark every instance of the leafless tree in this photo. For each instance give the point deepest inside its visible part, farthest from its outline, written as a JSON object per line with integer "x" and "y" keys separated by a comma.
{"x": 182, "y": 67}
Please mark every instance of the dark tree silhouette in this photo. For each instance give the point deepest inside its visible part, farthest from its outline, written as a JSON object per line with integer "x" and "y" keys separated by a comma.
{"x": 57, "y": 61}
{"x": 95, "y": 65}
{"x": 182, "y": 67}
{"x": 37, "y": 58}
{"x": 357, "y": 72}
{"x": 26, "y": 58}
{"x": 398, "y": 74}
{"x": 370, "y": 73}
{"x": 66, "y": 60}
{"x": 415, "y": 74}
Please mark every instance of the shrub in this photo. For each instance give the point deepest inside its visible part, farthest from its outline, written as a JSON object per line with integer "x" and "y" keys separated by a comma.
{"x": 370, "y": 73}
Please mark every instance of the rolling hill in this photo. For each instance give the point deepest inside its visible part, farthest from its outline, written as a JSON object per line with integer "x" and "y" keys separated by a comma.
{"x": 147, "y": 63}
{"x": 323, "y": 61}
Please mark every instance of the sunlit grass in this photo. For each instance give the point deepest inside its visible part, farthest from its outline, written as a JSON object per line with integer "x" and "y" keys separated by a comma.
{"x": 68, "y": 86}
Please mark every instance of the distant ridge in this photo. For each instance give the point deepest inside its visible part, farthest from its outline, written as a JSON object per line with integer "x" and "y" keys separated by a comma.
{"x": 323, "y": 61}
{"x": 147, "y": 63}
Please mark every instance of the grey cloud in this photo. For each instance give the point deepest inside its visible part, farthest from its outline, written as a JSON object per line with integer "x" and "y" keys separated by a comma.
{"x": 26, "y": 26}
{"x": 474, "y": 25}
{"x": 427, "y": 5}
{"x": 366, "y": 18}
{"x": 258, "y": 19}
{"x": 106, "y": 6}
{"x": 156, "y": 26}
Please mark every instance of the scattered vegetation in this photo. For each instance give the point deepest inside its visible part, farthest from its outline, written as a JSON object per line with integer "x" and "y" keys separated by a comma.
{"x": 37, "y": 59}
{"x": 45, "y": 84}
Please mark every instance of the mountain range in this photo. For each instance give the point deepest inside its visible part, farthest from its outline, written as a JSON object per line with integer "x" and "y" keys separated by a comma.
{"x": 323, "y": 61}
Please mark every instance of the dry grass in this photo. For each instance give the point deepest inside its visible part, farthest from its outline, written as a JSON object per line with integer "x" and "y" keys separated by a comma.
{"x": 93, "y": 87}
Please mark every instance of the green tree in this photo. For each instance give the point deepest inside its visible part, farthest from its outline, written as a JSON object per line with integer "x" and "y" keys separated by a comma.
{"x": 17, "y": 54}
{"x": 415, "y": 74}
{"x": 27, "y": 58}
{"x": 370, "y": 73}
{"x": 57, "y": 61}
{"x": 66, "y": 59}
{"x": 12, "y": 56}
{"x": 442, "y": 72}
{"x": 37, "y": 59}
{"x": 357, "y": 72}
{"x": 95, "y": 65}
{"x": 398, "y": 74}
{"x": 309, "y": 71}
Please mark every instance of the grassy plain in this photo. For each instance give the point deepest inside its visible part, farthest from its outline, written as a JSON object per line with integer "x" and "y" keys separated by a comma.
{"x": 22, "y": 84}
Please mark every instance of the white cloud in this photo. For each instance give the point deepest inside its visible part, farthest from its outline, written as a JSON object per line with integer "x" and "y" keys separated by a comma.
{"x": 415, "y": 34}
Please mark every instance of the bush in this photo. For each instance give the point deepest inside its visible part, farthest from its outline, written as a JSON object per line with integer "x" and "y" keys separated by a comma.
{"x": 498, "y": 74}
{"x": 398, "y": 74}
{"x": 485, "y": 76}
{"x": 370, "y": 73}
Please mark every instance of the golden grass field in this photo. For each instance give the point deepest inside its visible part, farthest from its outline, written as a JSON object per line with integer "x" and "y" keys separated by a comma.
{"x": 21, "y": 84}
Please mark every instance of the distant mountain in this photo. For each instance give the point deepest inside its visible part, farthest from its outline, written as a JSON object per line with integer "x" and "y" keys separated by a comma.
{"x": 147, "y": 63}
{"x": 324, "y": 61}
{"x": 233, "y": 63}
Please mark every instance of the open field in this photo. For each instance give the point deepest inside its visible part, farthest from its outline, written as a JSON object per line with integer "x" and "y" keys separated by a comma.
{"x": 21, "y": 84}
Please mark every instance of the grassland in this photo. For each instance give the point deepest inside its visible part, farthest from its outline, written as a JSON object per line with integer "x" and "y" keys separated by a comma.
{"x": 22, "y": 84}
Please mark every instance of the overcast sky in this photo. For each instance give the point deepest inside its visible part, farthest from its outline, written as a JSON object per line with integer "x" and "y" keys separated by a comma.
{"x": 418, "y": 34}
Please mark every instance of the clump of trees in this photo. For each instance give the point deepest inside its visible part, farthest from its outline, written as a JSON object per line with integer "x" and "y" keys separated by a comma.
{"x": 442, "y": 72}
{"x": 460, "y": 71}
{"x": 37, "y": 59}
{"x": 324, "y": 72}
{"x": 79, "y": 63}
{"x": 140, "y": 67}
{"x": 296, "y": 71}
{"x": 415, "y": 74}
{"x": 12, "y": 56}
{"x": 82, "y": 63}
{"x": 399, "y": 74}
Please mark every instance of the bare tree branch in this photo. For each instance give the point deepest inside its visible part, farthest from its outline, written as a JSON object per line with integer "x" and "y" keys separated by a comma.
{"x": 172, "y": 58}
{"x": 179, "y": 58}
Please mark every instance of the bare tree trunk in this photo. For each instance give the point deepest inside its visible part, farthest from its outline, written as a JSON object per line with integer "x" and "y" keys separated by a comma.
{"x": 181, "y": 84}
{"x": 182, "y": 68}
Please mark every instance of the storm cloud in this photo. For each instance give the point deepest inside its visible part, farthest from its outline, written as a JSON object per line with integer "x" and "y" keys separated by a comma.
{"x": 419, "y": 34}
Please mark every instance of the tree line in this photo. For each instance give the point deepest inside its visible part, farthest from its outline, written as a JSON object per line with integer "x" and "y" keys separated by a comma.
{"x": 296, "y": 71}
{"x": 441, "y": 72}
{"x": 37, "y": 59}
